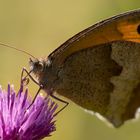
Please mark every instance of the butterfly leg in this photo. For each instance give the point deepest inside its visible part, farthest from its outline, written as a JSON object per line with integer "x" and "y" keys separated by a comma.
{"x": 22, "y": 81}
{"x": 24, "y": 78}
{"x": 28, "y": 74}
{"x": 35, "y": 97}
{"x": 65, "y": 102}
{"x": 41, "y": 87}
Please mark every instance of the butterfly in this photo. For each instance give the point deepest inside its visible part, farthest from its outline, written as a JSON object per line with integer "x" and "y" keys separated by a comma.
{"x": 98, "y": 68}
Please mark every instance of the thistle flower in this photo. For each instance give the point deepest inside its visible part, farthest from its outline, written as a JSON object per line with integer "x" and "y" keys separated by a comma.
{"x": 18, "y": 122}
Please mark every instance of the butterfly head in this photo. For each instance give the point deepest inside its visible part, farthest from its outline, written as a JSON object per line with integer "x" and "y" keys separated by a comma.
{"x": 37, "y": 66}
{"x": 43, "y": 71}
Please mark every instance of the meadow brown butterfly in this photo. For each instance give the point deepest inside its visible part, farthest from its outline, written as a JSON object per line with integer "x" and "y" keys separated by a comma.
{"x": 98, "y": 68}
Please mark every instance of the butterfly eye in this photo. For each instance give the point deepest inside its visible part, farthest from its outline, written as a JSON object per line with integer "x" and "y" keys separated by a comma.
{"x": 138, "y": 29}
{"x": 40, "y": 66}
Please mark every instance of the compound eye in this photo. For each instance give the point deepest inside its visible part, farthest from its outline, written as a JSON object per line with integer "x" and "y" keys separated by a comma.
{"x": 40, "y": 66}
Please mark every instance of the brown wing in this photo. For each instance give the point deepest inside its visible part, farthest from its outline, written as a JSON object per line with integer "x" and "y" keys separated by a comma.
{"x": 104, "y": 79}
{"x": 100, "y": 67}
{"x": 121, "y": 27}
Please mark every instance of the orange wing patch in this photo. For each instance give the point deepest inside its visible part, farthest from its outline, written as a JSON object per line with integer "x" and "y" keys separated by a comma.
{"x": 129, "y": 31}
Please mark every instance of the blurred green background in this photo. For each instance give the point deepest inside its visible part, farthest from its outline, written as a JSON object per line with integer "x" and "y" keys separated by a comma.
{"x": 40, "y": 26}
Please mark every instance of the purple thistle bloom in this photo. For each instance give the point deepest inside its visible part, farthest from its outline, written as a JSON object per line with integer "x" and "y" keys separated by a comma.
{"x": 17, "y": 122}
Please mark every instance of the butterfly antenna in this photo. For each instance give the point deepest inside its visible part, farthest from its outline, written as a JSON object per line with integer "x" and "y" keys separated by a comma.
{"x": 5, "y": 45}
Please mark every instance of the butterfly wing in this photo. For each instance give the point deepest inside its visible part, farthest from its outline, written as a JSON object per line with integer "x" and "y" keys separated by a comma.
{"x": 99, "y": 68}
{"x": 121, "y": 27}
